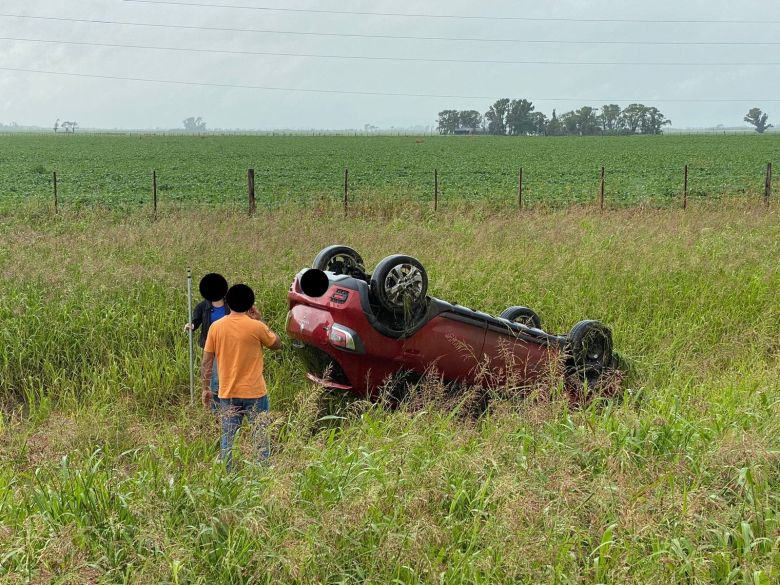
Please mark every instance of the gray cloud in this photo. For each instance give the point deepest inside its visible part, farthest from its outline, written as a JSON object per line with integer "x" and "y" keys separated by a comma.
{"x": 38, "y": 99}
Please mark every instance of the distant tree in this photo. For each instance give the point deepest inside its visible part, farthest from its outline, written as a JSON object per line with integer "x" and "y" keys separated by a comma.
{"x": 518, "y": 118}
{"x": 539, "y": 122}
{"x": 56, "y": 125}
{"x": 554, "y": 127}
{"x": 69, "y": 127}
{"x": 632, "y": 117}
{"x": 471, "y": 119}
{"x": 193, "y": 124}
{"x": 496, "y": 117}
{"x": 758, "y": 119}
{"x": 587, "y": 121}
{"x": 448, "y": 121}
{"x": 653, "y": 121}
{"x": 610, "y": 117}
{"x": 570, "y": 123}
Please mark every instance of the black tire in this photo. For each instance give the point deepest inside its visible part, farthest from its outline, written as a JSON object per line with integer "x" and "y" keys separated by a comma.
{"x": 522, "y": 315}
{"x": 400, "y": 284}
{"x": 590, "y": 349}
{"x": 340, "y": 260}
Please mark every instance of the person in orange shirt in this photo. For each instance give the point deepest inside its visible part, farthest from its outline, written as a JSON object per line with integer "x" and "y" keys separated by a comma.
{"x": 236, "y": 342}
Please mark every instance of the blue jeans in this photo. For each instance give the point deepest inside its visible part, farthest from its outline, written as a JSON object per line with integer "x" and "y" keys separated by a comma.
{"x": 233, "y": 411}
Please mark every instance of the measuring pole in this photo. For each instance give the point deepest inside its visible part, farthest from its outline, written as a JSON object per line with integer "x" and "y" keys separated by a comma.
{"x": 189, "y": 314}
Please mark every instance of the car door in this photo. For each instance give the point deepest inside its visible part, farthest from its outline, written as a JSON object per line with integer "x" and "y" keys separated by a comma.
{"x": 514, "y": 357}
{"x": 450, "y": 345}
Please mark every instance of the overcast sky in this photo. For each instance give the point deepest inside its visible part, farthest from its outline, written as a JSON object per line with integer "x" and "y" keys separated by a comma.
{"x": 38, "y": 99}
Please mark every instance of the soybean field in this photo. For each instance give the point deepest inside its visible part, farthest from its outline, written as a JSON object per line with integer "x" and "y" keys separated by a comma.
{"x": 211, "y": 170}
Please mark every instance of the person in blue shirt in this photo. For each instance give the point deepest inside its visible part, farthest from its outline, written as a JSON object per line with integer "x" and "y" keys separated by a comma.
{"x": 213, "y": 288}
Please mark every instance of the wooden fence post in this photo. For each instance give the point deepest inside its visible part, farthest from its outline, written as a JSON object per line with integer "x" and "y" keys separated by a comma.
{"x": 435, "y": 189}
{"x": 601, "y": 190}
{"x": 520, "y": 189}
{"x": 154, "y": 191}
{"x": 685, "y": 189}
{"x": 768, "y": 184}
{"x": 346, "y": 191}
{"x": 56, "y": 199}
{"x": 250, "y": 184}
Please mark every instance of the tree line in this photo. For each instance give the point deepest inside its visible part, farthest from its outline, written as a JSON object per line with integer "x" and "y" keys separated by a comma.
{"x": 518, "y": 118}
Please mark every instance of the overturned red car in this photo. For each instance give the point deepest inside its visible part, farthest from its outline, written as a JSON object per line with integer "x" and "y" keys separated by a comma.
{"x": 358, "y": 332}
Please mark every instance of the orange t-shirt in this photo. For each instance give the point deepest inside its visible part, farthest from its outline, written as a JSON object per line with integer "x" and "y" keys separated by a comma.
{"x": 238, "y": 341}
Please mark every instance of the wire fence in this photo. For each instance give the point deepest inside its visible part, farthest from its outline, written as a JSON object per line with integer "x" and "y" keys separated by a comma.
{"x": 350, "y": 193}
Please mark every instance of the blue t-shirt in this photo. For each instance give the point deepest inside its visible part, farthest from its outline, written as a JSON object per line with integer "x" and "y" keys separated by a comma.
{"x": 217, "y": 313}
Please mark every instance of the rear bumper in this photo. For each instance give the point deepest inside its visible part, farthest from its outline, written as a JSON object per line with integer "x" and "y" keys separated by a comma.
{"x": 321, "y": 367}
{"x": 358, "y": 371}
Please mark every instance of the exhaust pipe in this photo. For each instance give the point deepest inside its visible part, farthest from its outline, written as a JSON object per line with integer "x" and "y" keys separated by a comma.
{"x": 314, "y": 283}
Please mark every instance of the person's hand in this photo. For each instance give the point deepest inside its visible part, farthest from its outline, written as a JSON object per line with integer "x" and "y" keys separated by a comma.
{"x": 189, "y": 327}
{"x": 205, "y": 398}
{"x": 254, "y": 314}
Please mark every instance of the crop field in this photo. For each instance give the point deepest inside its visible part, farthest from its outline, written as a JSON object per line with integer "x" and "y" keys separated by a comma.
{"x": 193, "y": 171}
{"x": 109, "y": 475}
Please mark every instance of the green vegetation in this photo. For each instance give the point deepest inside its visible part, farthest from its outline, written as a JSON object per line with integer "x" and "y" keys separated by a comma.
{"x": 517, "y": 118}
{"x": 116, "y": 170}
{"x": 108, "y": 476}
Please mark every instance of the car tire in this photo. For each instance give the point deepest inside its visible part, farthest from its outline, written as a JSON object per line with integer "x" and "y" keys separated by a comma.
{"x": 523, "y": 316}
{"x": 339, "y": 260}
{"x": 400, "y": 284}
{"x": 590, "y": 349}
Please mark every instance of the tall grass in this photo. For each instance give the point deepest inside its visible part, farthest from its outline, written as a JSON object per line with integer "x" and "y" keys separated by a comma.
{"x": 108, "y": 475}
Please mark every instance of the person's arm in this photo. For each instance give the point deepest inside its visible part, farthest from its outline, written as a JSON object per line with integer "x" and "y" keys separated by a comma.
{"x": 206, "y": 367}
{"x": 277, "y": 344}
{"x": 268, "y": 338}
{"x": 197, "y": 317}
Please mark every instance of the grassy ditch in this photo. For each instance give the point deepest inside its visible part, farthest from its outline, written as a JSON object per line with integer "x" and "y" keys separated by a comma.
{"x": 108, "y": 475}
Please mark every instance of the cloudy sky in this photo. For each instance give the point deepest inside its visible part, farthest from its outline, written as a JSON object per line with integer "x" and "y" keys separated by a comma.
{"x": 423, "y": 69}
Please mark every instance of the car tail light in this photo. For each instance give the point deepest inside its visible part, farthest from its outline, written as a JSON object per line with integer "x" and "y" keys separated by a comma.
{"x": 343, "y": 338}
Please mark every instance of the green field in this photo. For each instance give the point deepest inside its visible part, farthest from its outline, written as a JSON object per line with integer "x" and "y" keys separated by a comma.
{"x": 107, "y": 475}
{"x": 116, "y": 170}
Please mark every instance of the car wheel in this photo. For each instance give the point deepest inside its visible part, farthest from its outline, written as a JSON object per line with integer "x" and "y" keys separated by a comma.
{"x": 523, "y": 316}
{"x": 339, "y": 260}
{"x": 590, "y": 349}
{"x": 400, "y": 284}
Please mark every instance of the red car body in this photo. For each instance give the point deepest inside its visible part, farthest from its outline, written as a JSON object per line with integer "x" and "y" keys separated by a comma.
{"x": 451, "y": 341}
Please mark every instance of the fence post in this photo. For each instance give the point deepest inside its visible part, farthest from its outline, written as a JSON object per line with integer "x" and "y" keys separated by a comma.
{"x": 250, "y": 184}
{"x": 685, "y": 189}
{"x": 768, "y": 184}
{"x": 56, "y": 200}
{"x": 601, "y": 190}
{"x": 435, "y": 189}
{"x": 346, "y": 191}
{"x": 520, "y": 189}
{"x": 154, "y": 191}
